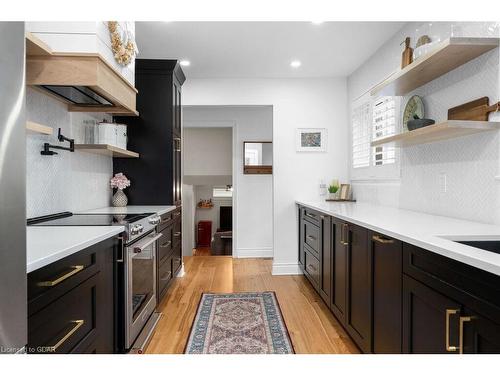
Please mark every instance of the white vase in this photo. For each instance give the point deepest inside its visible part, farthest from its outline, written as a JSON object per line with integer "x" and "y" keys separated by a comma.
{"x": 119, "y": 199}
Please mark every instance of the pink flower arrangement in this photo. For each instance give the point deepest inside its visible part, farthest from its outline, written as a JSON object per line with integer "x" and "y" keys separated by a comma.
{"x": 119, "y": 181}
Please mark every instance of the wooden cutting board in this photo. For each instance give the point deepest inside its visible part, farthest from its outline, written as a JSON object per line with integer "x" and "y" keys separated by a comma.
{"x": 476, "y": 110}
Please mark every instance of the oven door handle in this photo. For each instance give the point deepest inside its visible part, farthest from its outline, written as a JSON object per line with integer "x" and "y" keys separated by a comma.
{"x": 138, "y": 249}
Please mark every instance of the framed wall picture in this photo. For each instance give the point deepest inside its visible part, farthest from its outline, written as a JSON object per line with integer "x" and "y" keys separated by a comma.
{"x": 345, "y": 191}
{"x": 311, "y": 139}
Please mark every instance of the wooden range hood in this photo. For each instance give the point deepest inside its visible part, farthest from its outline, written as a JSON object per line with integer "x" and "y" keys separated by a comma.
{"x": 82, "y": 73}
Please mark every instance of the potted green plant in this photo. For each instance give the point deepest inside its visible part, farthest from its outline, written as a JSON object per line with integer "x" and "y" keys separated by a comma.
{"x": 333, "y": 189}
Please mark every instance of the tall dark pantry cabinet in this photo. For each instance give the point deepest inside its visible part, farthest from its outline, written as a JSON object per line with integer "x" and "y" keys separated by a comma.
{"x": 156, "y": 175}
{"x": 156, "y": 135}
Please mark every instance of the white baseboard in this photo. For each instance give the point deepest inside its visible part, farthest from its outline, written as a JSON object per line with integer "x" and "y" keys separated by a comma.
{"x": 262, "y": 252}
{"x": 181, "y": 272}
{"x": 286, "y": 269}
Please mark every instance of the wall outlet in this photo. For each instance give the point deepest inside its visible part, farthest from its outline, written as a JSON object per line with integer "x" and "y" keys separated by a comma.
{"x": 442, "y": 183}
{"x": 322, "y": 188}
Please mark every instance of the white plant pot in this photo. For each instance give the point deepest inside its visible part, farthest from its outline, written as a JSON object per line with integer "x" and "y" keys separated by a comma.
{"x": 333, "y": 195}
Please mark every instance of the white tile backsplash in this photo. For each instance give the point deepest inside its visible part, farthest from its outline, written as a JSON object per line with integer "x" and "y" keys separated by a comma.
{"x": 67, "y": 181}
{"x": 470, "y": 164}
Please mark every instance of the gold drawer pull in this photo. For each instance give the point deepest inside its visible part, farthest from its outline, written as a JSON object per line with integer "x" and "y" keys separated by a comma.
{"x": 166, "y": 244}
{"x": 177, "y": 234}
{"x": 449, "y": 348}
{"x": 75, "y": 270}
{"x": 382, "y": 239}
{"x": 312, "y": 238}
{"x": 312, "y": 216}
{"x": 310, "y": 266}
{"x": 78, "y": 324}
{"x": 463, "y": 319}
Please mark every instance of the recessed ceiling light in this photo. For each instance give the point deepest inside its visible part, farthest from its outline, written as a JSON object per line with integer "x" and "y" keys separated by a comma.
{"x": 185, "y": 62}
{"x": 317, "y": 22}
{"x": 295, "y": 64}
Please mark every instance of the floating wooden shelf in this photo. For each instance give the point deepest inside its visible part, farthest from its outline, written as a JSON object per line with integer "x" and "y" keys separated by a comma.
{"x": 448, "y": 55}
{"x": 34, "y": 127}
{"x": 439, "y": 132}
{"x": 107, "y": 150}
{"x": 35, "y": 47}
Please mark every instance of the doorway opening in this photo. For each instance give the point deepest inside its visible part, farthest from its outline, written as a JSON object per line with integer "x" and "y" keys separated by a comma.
{"x": 223, "y": 168}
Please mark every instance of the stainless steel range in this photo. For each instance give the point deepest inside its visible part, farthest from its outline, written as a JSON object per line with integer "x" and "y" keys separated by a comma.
{"x": 135, "y": 271}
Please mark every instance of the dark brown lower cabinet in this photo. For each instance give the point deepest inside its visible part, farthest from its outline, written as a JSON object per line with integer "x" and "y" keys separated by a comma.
{"x": 393, "y": 297}
{"x": 480, "y": 335}
{"x": 70, "y": 308}
{"x": 315, "y": 253}
{"x": 387, "y": 284}
{"x": 339, "y": 270}
{"x": 359, "y": 287}
{"x": 325, "y": 261}
{"x": 169, "y": 259}
{"x": 426, "y": 316}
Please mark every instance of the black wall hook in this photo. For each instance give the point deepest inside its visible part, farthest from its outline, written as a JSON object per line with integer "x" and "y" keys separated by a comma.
{"x": 61, "y": 138}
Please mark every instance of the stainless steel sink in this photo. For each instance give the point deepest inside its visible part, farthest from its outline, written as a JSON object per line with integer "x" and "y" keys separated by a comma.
{"x": 491, "y": 246}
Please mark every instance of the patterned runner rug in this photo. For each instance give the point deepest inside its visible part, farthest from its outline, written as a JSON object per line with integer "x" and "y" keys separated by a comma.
{"x": 239, "y": 323}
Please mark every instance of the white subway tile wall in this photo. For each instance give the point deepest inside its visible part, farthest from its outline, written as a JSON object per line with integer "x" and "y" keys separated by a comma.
{"x": 67, "y": 181}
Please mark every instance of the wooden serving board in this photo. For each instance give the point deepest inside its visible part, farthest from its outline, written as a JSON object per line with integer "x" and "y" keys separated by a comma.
{"x": 476, "y": 110}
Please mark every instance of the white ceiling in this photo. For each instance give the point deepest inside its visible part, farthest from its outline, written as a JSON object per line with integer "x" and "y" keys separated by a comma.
{"x": 264, "y": 49}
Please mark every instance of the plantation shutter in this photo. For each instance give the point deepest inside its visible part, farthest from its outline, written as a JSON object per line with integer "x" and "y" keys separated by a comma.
{"x": 361, "y": 136}
{"x": 384, "y": 125}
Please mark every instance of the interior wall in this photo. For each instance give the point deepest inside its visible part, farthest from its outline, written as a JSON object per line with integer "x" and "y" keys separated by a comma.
{"x": 188, "y": 219}
{"x": 468, "y": 165}
{"x": 208, "y": 151}
{"x": 296, "y": 103}
{"x": 252, "y": 195}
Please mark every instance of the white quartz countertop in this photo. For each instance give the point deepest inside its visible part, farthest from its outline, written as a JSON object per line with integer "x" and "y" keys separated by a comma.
{"x": 160, "y": 210}
{"x": 430, "y": 232}
{"x": 46, "y": 245}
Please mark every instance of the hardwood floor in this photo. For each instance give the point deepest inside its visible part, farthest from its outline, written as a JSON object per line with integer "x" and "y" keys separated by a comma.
{"x": 202, "y": 251}
{"x": 312, "y": 327}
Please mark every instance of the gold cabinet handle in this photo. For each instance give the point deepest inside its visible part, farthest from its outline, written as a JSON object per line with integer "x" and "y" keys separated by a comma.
{"x": 449, "y": 348}
{"x": 381, "y": 239}
{"x": 312, "y": 216}
{"x": 166, "y": 244}
{"x": 312, "y": 238}
{"x": 177, "y": 234}
{"x": 78, "y": 324}
{"x": 60, "y": 279}
{"x": 463, "y": 319}
{"x": 310, "y": 266}
{"x": 345, "y": 234}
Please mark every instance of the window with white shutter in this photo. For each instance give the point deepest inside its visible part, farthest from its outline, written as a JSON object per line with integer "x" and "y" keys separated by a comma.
{"x": 373, "y": 119}
{"x": 361, "y": 136}
{"x": 384, "y": 125}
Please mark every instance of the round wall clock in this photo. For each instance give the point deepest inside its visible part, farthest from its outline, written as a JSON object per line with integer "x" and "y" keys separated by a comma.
{"x": 414, "y": 106}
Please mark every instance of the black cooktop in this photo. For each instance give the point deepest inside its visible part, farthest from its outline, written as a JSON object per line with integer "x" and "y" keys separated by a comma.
{"x": 69, "y": 219}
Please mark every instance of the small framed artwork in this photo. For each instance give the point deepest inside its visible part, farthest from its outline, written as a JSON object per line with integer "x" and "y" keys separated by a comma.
{"x": 345, "y": 192}
{"x": 311, "y": 139}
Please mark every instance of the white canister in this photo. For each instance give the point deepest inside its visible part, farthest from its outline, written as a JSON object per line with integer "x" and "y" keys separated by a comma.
{"x": 106, "y": 134}
{"x": 121, "y": 136}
